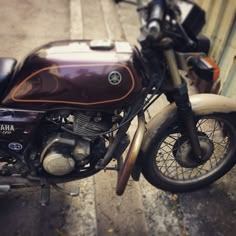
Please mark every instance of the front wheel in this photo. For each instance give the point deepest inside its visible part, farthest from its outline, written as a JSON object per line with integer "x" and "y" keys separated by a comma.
{"x": 169, "y": 164}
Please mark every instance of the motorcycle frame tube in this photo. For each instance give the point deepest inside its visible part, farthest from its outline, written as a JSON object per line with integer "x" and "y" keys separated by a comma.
{"x": 111, "y": 150}
{"x": 126, "y": 169}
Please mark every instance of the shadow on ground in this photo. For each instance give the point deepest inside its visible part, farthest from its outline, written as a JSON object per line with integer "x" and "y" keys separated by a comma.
{"x": 21, "y": 214}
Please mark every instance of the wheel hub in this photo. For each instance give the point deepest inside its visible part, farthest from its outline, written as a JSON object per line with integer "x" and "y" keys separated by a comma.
{"x": 184, "y": 155}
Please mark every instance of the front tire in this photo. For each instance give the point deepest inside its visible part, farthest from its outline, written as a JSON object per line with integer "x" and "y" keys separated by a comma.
{"x": 163, "y": 170}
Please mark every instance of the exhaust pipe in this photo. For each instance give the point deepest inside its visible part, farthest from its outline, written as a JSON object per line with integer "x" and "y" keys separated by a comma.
{"x": 126, "y": 169}
{"x": 9, "y": 182}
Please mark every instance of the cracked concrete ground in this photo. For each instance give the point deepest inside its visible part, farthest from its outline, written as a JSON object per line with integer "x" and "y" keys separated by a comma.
{"x": 143, "y": 210}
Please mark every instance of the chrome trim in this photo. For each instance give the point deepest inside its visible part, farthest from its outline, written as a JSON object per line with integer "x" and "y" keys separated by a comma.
{"x": 54, "y": 140}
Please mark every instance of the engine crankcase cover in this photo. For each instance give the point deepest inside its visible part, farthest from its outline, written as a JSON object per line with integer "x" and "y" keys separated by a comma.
{"x": 57, "y": 164}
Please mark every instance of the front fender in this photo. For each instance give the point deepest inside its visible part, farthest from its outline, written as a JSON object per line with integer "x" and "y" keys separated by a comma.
{"x": 210, "y": 103}
{"x": 202, "y": 104}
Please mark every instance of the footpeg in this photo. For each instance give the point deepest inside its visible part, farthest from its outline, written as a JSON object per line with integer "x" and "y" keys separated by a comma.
{"x": 45, "y": 193}
{"x": 5, "y": 188}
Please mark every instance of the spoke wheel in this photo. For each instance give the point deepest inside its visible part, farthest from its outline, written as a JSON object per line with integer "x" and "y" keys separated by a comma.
{"x": 170, "y": 168}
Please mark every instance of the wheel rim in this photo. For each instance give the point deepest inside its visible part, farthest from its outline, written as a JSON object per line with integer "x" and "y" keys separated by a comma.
{"x": 218, "y": 130}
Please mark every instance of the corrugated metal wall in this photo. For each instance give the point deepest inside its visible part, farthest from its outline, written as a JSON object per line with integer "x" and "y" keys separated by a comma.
{"x": 221, "y": 28}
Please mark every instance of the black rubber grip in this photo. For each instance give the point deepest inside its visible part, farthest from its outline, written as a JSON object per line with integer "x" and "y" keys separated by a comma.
{"x": 157, "y": 11}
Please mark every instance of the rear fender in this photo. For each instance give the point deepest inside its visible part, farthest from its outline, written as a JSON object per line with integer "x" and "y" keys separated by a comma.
{"x": 202, "y": 104}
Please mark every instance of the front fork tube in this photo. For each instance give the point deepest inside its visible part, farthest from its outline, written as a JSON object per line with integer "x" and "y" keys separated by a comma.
{"x": 183, "y": 104}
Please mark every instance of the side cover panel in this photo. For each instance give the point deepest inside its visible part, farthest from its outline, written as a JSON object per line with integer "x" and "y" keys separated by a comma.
{"x": 17, "y": 128}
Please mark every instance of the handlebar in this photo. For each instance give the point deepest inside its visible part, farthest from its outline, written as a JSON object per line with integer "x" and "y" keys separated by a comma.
{"x": 155, "y": 18}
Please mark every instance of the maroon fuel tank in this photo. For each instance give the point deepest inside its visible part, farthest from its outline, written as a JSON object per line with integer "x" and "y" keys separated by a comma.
{"x": 86, "y": 74}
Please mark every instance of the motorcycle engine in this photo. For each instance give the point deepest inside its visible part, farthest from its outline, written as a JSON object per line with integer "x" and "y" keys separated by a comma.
{"x": 64, "y": 152}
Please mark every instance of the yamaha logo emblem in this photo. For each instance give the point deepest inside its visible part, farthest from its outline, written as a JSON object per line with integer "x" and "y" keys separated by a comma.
{"x": 114, "y": 78}
{"x": 15, "y": 146}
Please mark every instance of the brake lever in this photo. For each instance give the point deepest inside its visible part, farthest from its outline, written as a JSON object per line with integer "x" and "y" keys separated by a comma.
{"x": 188, "y": 40}
{"x": 176, "y": 15}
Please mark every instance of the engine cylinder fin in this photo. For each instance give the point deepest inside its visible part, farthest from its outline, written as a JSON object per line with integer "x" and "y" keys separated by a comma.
{"x": 85, "y": 124}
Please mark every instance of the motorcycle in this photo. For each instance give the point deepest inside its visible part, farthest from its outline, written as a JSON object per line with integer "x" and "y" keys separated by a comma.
{"x": 66, "y": 109}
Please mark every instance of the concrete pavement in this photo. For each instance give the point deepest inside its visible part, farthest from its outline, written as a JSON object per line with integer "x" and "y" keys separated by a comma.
{"x": 26, "y": 25}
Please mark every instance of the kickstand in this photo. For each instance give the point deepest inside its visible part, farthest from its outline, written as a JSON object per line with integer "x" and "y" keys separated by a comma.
{"x": 45, "y": 192}
{"x": 62, "y": 190}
